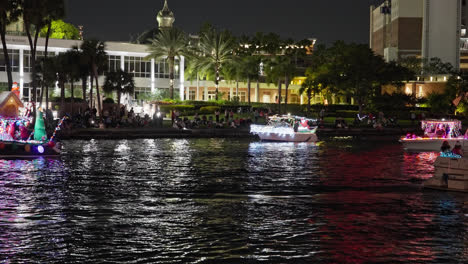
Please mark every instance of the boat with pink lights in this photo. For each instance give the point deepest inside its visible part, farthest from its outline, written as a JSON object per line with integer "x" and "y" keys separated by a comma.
{"x": 435, "y": 133}
{"x": 287, "y": 128}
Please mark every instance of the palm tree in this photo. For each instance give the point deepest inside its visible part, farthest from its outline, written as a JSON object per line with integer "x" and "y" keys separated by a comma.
{"x": 9, "y": 13}
{"x": 94, "y": 54}
{"x": 36, "y": 15}
{"x": 214, "y": 51}
{"x": 275, "y": 71}
{"x": 310, "y": 86}
{"x": 120, "y": 82}
{"x": 168, "y": 44}
{"x": 73, "y": 57}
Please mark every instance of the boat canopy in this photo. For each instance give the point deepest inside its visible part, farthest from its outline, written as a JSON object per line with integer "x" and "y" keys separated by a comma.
{"x": 441, "y": 128}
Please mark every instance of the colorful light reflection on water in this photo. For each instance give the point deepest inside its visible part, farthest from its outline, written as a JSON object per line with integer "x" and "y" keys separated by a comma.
{"x": 228, "y": 201}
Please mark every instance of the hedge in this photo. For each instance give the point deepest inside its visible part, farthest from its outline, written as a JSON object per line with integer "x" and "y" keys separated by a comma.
{"x": 183, "y": 109}
{"x": 206, "y": 110}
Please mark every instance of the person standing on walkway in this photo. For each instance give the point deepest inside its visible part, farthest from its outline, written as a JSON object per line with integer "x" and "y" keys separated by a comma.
{"x": 322, "y": 113}
{"x": 217, "y": 115}
{"x": 256, "y": 114}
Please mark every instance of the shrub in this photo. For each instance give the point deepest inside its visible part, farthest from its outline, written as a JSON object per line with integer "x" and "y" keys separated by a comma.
{"x": 183, "y": 109}
{"x": 346, "y": 113}
{"x": 207, "y": 110}
{"x": 108, "y": 101}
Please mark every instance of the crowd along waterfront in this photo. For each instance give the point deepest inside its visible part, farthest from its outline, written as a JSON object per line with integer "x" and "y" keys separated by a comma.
{"x": 229, "y": 201}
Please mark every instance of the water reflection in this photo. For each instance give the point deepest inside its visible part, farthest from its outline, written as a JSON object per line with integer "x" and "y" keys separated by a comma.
{"x": 228, "y": 201}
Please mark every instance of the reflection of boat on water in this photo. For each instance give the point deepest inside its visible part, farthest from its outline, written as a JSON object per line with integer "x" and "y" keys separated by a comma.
{"x": 15, "y": 140}
{"x": 287, "y": 128}
{"x": 435, "y": 133}
{"x": 450, "y": 173}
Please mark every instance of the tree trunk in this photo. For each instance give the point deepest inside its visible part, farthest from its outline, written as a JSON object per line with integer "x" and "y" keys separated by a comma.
{"x": 47, "y": 96}
{"x": 45, "y": 55}
{"x": 33, "y": 46}
{"x": 237, "y": 90}
{"x": 309, "y": 98}
{"x": 91, "y": 99}
{"x": 217, "y": 81}
{"x": 96, "y": 76}
{"x": 279, "y": 97}
{"x": 257, "y": 99}
{"x": 248, "y": 90}
{"x": 72, "y": 97}
{"x": 171, "y": 77}
{"x": 5, "y": 53}
{"x": 119, "y": 96}
{"x": 83, "y": 87}
{"x": 286, "y": 84}
{"x": 62, "y": 98}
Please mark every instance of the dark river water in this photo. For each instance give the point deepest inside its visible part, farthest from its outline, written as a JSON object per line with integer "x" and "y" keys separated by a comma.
{"x": 228, "y": 201}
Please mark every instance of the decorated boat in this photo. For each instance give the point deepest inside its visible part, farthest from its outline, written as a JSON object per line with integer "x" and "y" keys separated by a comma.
{"x": 287, "y": 128}
{"x": 450, "y": 173}
{"x": 15, "y": 139}
{"x": 435, "y": 133}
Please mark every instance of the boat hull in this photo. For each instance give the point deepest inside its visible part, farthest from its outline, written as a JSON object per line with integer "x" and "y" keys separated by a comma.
{"x": 450, "y": 174}
{"x": 296, "y": 137}
{"x": 432, "y": 144}
{"x": 26, "y": 150}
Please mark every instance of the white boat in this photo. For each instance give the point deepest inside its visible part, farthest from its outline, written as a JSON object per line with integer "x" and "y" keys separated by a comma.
{"x": 435, "y": 133}
{"x": 287, "y": 128}
{"x": 450, "y": 173}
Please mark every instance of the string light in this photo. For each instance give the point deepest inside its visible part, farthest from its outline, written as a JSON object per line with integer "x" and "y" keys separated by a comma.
{"x": 59, "y": 125}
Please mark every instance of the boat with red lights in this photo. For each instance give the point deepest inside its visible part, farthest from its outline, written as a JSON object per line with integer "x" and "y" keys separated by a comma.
{"x": 287, "y": 128}
{"x": 435, "y": 133}
{"x": 15, "y": 139}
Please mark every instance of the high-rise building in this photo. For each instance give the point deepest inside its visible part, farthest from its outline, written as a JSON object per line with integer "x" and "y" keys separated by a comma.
{"x": 420, "y": 28}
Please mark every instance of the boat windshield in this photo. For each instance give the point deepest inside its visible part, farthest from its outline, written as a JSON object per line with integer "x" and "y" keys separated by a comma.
{"x": 297, "y": 122}
{"x": 441, "y": 128}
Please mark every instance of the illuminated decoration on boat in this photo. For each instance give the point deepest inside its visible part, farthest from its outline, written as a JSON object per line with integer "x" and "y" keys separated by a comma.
{"x": 258, "y": 129}
{"x": 450, "y": 128}
{"x": 40, "y": 149}
{"x": 450, "y": 155}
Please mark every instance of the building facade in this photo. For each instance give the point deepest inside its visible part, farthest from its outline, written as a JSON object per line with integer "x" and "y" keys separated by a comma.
{"x": 151, "y": 77}
{"x": 420, "y": 28}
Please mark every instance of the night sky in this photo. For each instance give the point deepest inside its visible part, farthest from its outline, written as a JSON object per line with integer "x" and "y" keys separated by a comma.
{"x": 326, "y": 20}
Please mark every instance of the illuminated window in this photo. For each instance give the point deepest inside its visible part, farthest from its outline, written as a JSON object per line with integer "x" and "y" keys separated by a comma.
{"x": 420, "y": 91}
{"x": 408, "y": 90}
{"x": 192, "y": 95}
{"x": 114, "y": 63}
{"x": 14, "y": 60}
{"x": 137, "y": 67}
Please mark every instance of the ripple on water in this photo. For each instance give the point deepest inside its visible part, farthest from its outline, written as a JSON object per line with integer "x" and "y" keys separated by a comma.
{"x": 228, "y": 201}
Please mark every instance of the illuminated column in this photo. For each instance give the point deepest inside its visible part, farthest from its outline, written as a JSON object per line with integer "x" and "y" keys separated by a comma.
{"x": 182, "y": 77}
{"x": 152, "y": 76}
{"x": 122, "y": 62}
{"x": 206, "y": 90}
{"x": 21, "y": 72}
{"x": 197, "y": 96}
